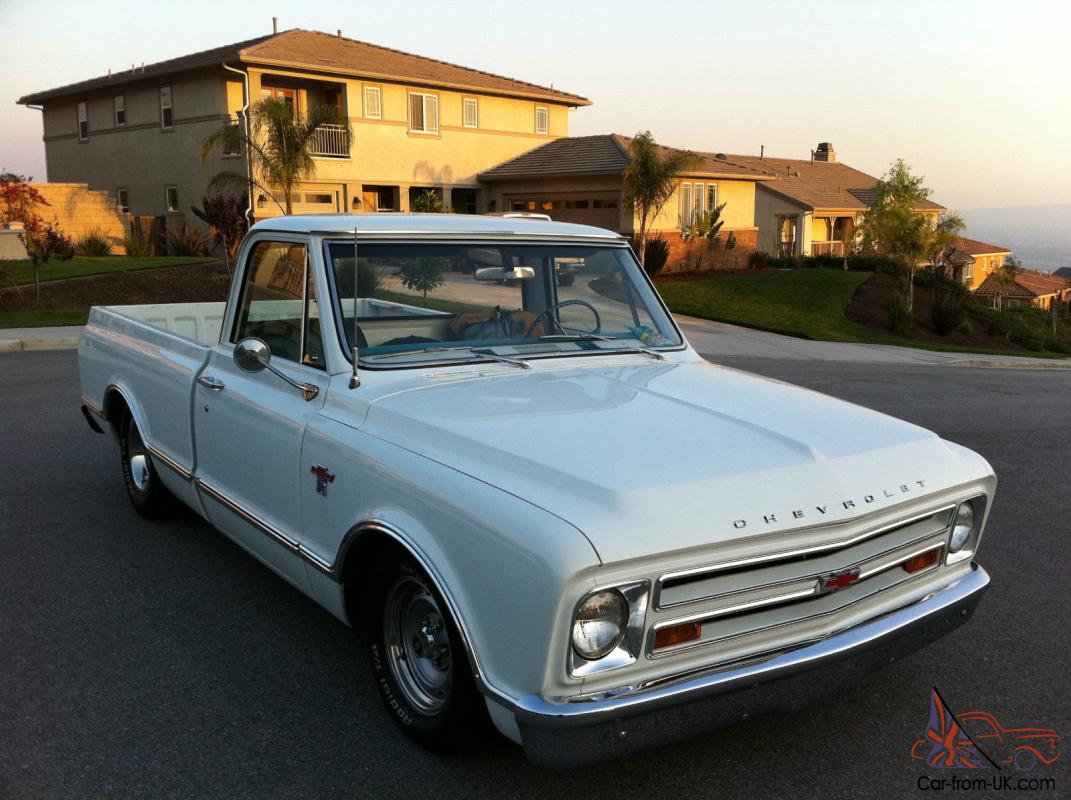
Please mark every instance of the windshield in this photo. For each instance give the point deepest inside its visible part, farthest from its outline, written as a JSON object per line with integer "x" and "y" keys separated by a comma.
{"x": 413, "y": 303}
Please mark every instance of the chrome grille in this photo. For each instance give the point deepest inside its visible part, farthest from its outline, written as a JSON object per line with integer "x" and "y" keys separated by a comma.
{"x": 747, "y": 597}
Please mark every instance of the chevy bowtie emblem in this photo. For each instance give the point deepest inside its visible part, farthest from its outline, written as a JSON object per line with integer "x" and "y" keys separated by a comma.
{"x": 838, "y": 580}
{"x": 323, "y": 477}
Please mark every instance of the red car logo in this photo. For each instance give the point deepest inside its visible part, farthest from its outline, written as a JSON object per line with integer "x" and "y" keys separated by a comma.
{"x": 838, "y": 580}
{"x": 957, "y": 741}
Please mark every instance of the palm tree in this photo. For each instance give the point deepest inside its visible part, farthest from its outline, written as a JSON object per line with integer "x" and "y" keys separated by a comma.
{"x": 278, "y": 146}
{"x": 651, "y": 178}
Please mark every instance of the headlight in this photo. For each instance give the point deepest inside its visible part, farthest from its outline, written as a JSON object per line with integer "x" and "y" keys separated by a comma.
{"x": 600, "y": 623}
{"x": 963, "y": 527}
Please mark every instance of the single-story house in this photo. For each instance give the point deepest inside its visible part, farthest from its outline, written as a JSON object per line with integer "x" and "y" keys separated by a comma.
{"x": 1030, "y": 288}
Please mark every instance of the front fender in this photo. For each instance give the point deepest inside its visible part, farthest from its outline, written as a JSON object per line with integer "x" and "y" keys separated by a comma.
{"x": 507, "y": 568}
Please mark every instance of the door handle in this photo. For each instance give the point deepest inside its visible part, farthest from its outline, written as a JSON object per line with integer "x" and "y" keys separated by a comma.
{"x": 207, "y": 381}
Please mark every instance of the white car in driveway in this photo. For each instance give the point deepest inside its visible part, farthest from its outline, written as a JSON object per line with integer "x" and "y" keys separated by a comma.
{"x": 546, "y": 508}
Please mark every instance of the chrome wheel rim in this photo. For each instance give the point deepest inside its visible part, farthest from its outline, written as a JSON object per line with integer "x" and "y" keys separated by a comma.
{"x": 138, "y": 459}
{"x": 418, "y": 645}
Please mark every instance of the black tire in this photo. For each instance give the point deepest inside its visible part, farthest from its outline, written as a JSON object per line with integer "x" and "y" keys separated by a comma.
{"x": 147, "y": 494}
{"x": 452, "y": 715}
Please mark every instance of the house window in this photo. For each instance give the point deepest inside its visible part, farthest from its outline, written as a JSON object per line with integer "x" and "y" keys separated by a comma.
{"x": 232, "y": 146}
{"x": 123, "y": 199}
{"x": 700, "y": 197}
{"x": 686, "y": 204}
{"x": 373, "y": 108}
{"x": 83, "y": 123}
{"x": 119, "y": 104}
{"x": 968, "y": 269}
{"x": 541, "y": 119}
{"x": 171, "y": 197}
{"x": 167, "y": 118}
{"x": 712, "y": 197}
{"x": 471, "y": 112}
{"x": 423, "y": 113}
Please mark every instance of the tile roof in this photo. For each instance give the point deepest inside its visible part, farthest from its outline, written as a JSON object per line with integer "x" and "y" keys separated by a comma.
{"x": 1063, "y": 272}
{"x": 1028, "y": 283}
{"x": 820, "y": 185}
{"x": 327, "y": 53}
{"x": 606, "y": 153}
{"x": 973, "y": 247}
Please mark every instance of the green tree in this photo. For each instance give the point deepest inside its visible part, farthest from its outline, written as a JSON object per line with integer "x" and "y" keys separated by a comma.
{"x": 894, "y": 227}
{"x": 651, "y": 178}
{"x": 704, "y": 230}
{"x": 1005, "y": 274}
{"x": 278, "y": 146}
{"x": 428, "y": 202}
{"x": 224, "y": 213}
{"x": 423, "y": 275}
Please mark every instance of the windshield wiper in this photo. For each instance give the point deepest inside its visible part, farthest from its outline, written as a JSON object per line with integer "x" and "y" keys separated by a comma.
{"x": 594, "y": 337}
{"x": 483, "y": 353}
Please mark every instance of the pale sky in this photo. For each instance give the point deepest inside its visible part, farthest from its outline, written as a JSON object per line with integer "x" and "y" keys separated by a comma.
{"x": 976, "y": 96}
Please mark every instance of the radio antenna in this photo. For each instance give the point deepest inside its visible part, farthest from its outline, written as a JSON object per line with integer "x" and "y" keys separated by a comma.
{"x": 355, "y": 380}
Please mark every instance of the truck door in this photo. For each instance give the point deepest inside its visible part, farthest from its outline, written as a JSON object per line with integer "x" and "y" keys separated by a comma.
{"x": 248, "y": 426}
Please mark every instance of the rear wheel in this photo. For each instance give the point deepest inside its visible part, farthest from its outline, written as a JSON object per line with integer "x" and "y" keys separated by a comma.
{"x": 419, "y": 660}
{"x": 147, "y": 494}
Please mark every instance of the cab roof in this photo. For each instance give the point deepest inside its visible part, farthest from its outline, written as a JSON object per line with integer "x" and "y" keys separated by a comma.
{"x": 450, "y": 225}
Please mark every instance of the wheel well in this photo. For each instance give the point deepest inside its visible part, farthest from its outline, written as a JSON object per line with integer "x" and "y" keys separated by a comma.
{"x": 360, "y": 557}
{"x": 115, "y": 406}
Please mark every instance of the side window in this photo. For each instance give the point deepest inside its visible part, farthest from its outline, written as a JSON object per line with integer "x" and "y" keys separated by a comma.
{"x": 272, "y": 301}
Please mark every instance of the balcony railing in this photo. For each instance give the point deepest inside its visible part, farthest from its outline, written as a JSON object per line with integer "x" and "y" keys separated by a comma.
{"x": 827, "y": 248}
{"x": 331, "y": 141}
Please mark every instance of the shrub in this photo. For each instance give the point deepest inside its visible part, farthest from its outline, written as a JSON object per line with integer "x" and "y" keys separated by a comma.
{"x": 758, "y": 259}
{"x": 135, "y": 242}
{"x": 872, "y": 263}
{"x": 366, "y": 279}
{"x": 824, "y": 261}
{"x": 947, "y": 312}
{"x": 224, "y": 214}
{"x": 900, "y": 317}
{"x": 655, "y": 255}
{"x": 965, "y": 328}
{"x": 428, "y": 202}
{"x": 94, "y": 242}
{"x": 188, "y": 242}
{"x": 926, "y": 279}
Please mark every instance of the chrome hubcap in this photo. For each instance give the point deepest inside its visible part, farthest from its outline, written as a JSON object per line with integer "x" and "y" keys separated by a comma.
{"x": 139, "y": 460}
{"x": 418, "y": 645}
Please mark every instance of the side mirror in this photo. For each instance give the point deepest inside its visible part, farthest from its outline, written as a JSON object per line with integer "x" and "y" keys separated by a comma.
{"x": 252, "y": 354}
{"x": 503, "y": 274}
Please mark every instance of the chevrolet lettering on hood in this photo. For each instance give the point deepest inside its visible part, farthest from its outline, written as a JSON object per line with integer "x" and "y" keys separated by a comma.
{"x": 820, "y": 511}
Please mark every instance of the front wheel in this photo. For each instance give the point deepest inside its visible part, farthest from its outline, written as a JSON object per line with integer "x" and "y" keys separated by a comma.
{"x": 418, "y": 658}
{"x": 147, "y": 494}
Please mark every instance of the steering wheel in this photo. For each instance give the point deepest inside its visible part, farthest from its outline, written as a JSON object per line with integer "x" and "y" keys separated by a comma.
{"x": 546, "y": 312}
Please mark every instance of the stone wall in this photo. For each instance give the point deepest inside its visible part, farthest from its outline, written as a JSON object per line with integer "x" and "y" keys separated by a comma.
{"x": 79, "y": 209}
{"x": 684, "y": 255}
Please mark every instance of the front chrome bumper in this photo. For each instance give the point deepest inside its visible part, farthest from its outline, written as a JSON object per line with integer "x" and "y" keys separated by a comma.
{"x": 577, "y": 733}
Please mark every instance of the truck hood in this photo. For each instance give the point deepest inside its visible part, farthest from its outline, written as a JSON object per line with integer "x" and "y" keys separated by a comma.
{"x": 647, "y": 457}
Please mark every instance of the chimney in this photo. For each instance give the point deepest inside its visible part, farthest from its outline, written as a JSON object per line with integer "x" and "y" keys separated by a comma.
{"x": 825, "y": 152}
{"x": 762, "y": 152}
{"x": 274, "y": 24}
{"x": 340, "y": 33}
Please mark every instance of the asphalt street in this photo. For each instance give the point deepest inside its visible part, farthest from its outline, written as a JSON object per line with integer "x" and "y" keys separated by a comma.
{"x": 158, "y": 660}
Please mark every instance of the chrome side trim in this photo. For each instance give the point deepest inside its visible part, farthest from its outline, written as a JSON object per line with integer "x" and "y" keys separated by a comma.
{"x": 745, "y": 562}
{"x": 169, "y": 462}
{"x": 256, "y": 522}
{"x": 87, "y": 403}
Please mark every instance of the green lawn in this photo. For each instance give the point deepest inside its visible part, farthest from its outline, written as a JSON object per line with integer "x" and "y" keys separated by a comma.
{"x": 21, "y": 272}
{"x": 808, "y": 303}
{"x": 40, "y": 319}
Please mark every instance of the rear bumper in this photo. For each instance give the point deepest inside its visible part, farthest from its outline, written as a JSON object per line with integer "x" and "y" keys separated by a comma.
{"x": 579, "y": 733}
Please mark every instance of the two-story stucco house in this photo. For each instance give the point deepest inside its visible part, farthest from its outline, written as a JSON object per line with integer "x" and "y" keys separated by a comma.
{"x": 417, "y": 124}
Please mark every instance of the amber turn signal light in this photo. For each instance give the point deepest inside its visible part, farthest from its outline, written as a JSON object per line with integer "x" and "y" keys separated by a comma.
{"x": 677, "y": 634}
{"x": 920, "y": 562}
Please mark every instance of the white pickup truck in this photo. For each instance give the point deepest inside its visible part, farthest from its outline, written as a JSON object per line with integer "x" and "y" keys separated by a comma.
{"x": 546, "y": 508}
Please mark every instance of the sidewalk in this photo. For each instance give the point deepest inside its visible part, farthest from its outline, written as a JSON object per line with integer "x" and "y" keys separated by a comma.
{"x": 13, "y": 340}
{"x": 711, "y": 339}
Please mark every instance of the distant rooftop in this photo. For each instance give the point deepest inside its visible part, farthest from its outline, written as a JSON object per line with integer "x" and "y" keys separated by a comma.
{"x": 328, "y": 53}
{"x": 606, "y": 153}
{"x": 1028, "y": 283}
{"x": 973, "y": 247}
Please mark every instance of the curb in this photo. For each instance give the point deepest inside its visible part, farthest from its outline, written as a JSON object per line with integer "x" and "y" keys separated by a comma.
{"x": 23, "y": 345}
{"x": 1035, "y": 364}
